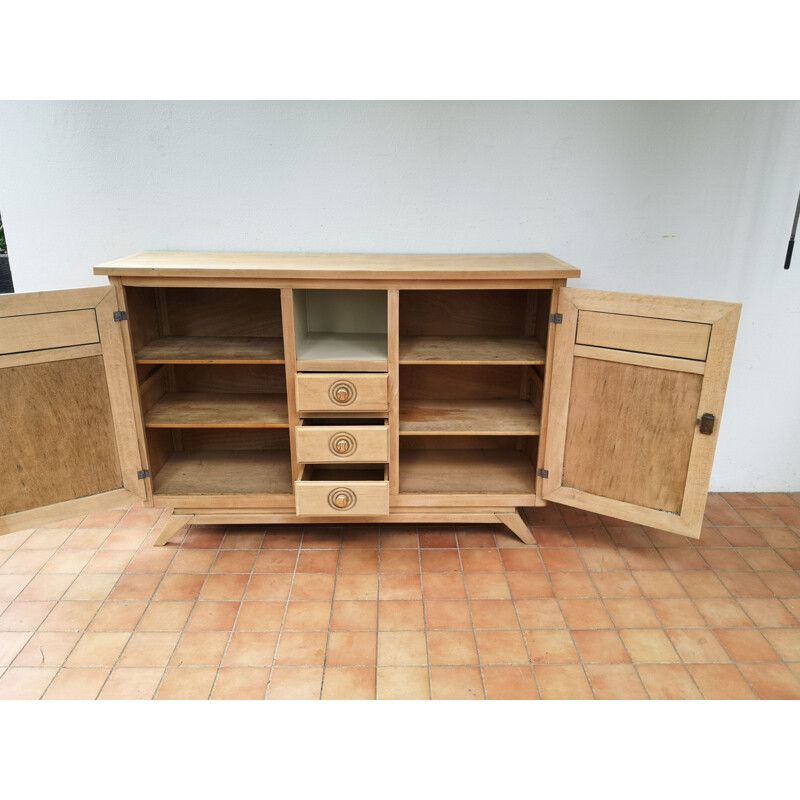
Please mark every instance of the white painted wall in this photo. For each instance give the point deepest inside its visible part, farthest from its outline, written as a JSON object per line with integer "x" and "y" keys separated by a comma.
{"x": 692, "y": 199}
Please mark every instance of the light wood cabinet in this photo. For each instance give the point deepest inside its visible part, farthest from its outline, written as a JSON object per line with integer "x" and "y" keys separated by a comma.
{"x": 278, "y": 388}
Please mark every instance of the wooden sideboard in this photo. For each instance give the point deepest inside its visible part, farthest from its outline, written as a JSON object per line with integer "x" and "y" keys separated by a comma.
{"x": 270, "y": 388}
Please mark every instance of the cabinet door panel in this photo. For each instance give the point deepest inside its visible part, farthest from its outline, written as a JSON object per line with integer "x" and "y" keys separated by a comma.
{"x": 632, "y": 376}
{"x": 67, "y": 440}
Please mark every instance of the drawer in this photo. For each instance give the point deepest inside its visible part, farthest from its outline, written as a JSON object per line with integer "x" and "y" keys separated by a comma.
{"x": 342, "y": 391}
{"x": 343, "y": 490}
{"x": 331, "y": 441}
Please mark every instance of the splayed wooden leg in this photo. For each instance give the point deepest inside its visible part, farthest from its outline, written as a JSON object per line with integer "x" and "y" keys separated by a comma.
{"x": 174, "y": 524}
{"x": 517, "y": 526}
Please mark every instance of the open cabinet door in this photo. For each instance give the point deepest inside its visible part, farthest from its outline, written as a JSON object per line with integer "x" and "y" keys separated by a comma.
{"x": 68, "y": 441}
{"x": 636, "y": 395}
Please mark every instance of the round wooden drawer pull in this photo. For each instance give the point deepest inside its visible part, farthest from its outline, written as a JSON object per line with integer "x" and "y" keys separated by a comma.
{"x": 342, "y": 499}
{"x": 342, "y": 393}
{"x": 342, "y": 444}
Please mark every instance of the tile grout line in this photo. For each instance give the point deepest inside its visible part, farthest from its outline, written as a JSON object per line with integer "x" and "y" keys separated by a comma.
{"x": 191, "y": 610}
{"x": 330, "y": 616}
{"x": 469, "y": 609}
{"x": 605, "y": 606}
{"x": 561, "y": 610}
{"x": 514, "y": 604}
{"x": 127, "y": 641}
{"x": 285, "y": 608}
{"x": 89, "y": 622}
{"x": 238, "y": 610}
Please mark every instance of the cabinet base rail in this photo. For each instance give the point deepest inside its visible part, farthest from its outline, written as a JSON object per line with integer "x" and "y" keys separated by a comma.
{"x": 511, "y": 518}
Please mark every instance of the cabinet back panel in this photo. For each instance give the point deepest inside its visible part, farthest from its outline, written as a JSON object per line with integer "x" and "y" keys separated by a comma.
{"x": 223, "y": 312}
{"x": 247, "y": 378}
{"x": 459, "y": 382}
{"x": 57, "y": 437}
{"x": 462, "y": 442}
{"x": 340, "y": 310}
{"x": 630, "y": 409}
{"x": 233, "y": 439}
{"x": 467, "y": 312}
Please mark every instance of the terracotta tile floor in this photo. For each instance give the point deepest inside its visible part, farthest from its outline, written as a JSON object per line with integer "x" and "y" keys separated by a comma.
{"x": 599, "y": 609}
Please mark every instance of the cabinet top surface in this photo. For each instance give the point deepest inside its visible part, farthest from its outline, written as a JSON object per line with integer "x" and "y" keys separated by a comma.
{"x": 331, "y": 266}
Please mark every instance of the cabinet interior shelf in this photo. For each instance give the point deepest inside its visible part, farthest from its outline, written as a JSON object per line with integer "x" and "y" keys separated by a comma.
{"x": 212, "y": 350}
{"x": 218, "y": 410}
{"x": 489, "y": 417}
{"x": 357, "y": 351}
{"x": 225, "y": 472}
{"x": 466, "y": 472}
{"x": 470, "y": 350}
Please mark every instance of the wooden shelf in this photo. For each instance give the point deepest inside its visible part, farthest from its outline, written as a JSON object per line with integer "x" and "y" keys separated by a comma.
{"x": 466, "y": 472}
{"x": 225, "y": 472}
{"x": 470, "y": 350}
{"x": 212, "y": 350}
{"x": 489, "y": 417}
{"x": 217, "y": 410}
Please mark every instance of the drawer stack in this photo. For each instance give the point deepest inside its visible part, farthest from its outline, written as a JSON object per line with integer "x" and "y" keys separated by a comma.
{"x": 344, "y": 455}
{"x": 342, "y": 397}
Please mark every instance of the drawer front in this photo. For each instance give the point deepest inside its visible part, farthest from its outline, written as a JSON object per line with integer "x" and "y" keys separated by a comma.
{"x": 342, "y": 391}
{"x": 663, "y": 337}
{"x": 330, "y": 444}
{"x": 345, "y": 498}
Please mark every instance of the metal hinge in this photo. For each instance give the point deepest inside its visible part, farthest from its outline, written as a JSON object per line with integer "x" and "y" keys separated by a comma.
{"x": 119, "y": 316}
{"x": 706, "y": 423}
{"x": 557, "y": 318}
{"x": 143, "y": 473}
{"x": 542, "y": 473}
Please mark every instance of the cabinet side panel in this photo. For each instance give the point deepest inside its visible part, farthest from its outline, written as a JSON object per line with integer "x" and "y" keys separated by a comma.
{"x": 57, "y": 438}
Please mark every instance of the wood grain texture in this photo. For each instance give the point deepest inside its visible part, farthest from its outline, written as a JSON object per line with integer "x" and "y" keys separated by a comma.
{"x": 470, "y": 350}
{"x": 473, "y": 472}
{"x": 220, "y": 311}
{"x": 34, "y": 518}
{"x": 57, "y": 354}
{"x": 225, "y": 472}
{"x": 144, "y": 325}
{"x": 517, "y": 526}
{"x": 663, "y": 337}
{"x": 319, "y": 485}
{"x": 174, "y": 524}
{"x": 218, "y": 410}
{"x": 313, "y": 392}
{"x": 290, "y": 371}
{"x": 393, "y": 349}
{"x": 229, "y": 378}
{"x": 235, "y": 438}
{"x": 458, "y": 383}
{"x": 463, "y": 312}
{"x": 364, "y": 443}
{"x": 469, "y": 417}
{"x": 688, "y": 518}
{"x": 234, "y": 516}
{"x": 133, "y": 376}
{"x": 343, "y": 266}
{"x": 118, "y": 374}
{"x": 22, "y": 334}
{"x": 57, "y": 437}
{"x": 212, "y": 350}
{"x": 14, "y": 305}
{"x": 642, "y": 359}
{"x": 630, "y": 432}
